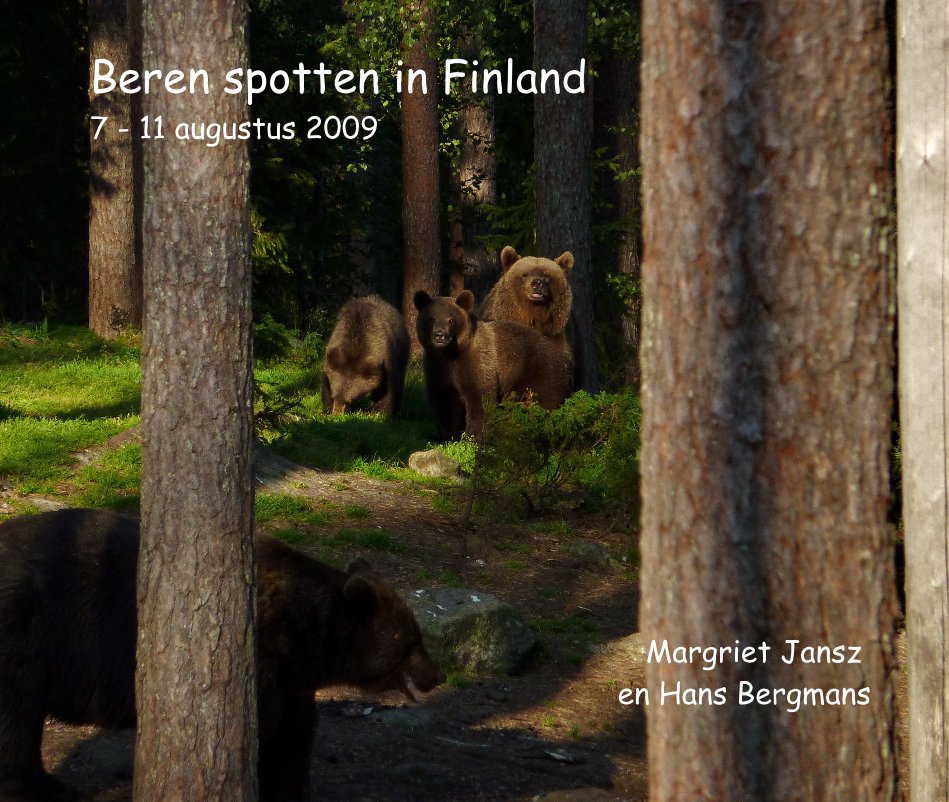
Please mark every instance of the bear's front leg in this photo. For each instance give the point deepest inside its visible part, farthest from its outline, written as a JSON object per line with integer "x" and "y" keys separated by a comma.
{"x": 284, "y": 767}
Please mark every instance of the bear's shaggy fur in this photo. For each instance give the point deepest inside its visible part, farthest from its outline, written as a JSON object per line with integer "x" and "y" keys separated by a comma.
{"x": 68, "y": 630}
{"x": 366, "y": 353}
{"x": 531, "y": 291}
{"x": 478, "y": 358}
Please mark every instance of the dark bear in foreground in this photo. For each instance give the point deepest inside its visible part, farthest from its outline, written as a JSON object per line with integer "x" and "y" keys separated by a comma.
{"x": 68, "y": 629}
{"x": 367, "y": 353}
{"x": 475, "y": 358}
{"x": 531, "y": 291}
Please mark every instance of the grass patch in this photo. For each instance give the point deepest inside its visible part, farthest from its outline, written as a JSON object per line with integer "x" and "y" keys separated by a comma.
{"x": 519, "y": 548}
{"x": 62, "y": 390}
{"x": 357, "y": 511}
{"x": 515, "y": 565}
{"x": 372, "y": 539}
{"x": 291, "y": 535}
{"x": 113, "y": 482}
{"x": 281, "y": 507}
{"x": 37, "y": 453}
{"x": 445, "y": 504}
{"x": 456, "y": 679}
{"x": 449, "y": 579}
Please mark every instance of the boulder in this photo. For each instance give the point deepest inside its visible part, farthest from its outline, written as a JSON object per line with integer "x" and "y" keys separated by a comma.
{"x": 472, "y": 631}
{"x": 434, "y": 463}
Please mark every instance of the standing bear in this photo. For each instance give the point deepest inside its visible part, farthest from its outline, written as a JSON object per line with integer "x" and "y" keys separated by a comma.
{"x": 367, "y": 353}
{"x": 467, "y": 359}
{"x": 68, "y": 627}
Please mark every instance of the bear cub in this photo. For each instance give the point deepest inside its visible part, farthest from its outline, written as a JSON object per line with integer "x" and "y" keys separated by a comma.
{"x": 466, "y": 359}
{"x": 367, "y": 353}
{"x": 67, "y": 643}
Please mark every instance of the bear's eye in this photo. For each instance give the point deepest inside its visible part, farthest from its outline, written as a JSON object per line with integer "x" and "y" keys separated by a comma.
{"x": 451, "y": 322}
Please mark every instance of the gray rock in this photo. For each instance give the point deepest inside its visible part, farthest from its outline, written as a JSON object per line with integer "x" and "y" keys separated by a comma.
{"x": 406, "y": 718}
{"x": 45, "y": 504}
{"x": 589, "y": 552}
{"x": 434, "y": 463}
{"x": 472, "y": 631}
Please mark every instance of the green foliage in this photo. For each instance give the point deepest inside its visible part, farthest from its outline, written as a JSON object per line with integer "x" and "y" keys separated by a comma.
{"x": 590, "y": 443}
{"x": 272, "y": 340}
{"x": 461, "y": 451}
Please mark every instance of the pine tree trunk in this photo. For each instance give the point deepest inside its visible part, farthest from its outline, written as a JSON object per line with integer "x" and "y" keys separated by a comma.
{"x": 474, "y": 265}
{"x": 421, "y": 208}
{"x": 195, "y": 690}
{"x": 563, "y": 141}
{"x": 115, "y": 257}
{"x": 767, "y": 362}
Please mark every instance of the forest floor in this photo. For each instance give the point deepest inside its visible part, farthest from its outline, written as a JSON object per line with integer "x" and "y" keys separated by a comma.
{"x": 556, "y": 731}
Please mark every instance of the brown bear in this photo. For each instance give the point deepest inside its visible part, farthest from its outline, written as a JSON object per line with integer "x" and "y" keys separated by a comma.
{"x": 367, "y": 353}
{"x": 531, "y": 291}
{"x": 479, "y": 358}
{"x": 68, "y": 629}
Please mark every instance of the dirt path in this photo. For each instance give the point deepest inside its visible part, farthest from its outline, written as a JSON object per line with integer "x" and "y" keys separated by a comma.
{"x": 556, "y": 727}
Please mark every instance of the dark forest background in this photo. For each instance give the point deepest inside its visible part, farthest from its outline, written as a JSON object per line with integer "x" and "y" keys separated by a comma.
{"x": 328, "y": 215}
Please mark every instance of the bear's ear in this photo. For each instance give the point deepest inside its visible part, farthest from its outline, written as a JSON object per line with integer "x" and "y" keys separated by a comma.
{"x": 466, "y": 300}
{"x": 421, "y": 299}
{"x": 508, "y": 257}
{"x": 360, "y": 592}
{"x": 334, "y": 358}
{"x": 358, "y": 566}
{"x": 565, "y": 260}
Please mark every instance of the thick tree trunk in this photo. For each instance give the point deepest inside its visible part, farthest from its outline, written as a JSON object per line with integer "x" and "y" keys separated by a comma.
{"x": 923, "y": 189}
{"x": 195, "y": 687}
{"x": 474, "y": 265}
{"x": 421, "y": 208}
{"x": 563, "y": 141}
{"x": 767, "y": 362}
{"x": 115, "y": 256}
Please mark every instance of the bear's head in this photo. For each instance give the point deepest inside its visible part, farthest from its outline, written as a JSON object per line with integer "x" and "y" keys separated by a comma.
{"x": 349, "y": 378}
{"x": 540, "y": 284}
{"x": 386, "y": 652}
{"x": 444, "y": 324}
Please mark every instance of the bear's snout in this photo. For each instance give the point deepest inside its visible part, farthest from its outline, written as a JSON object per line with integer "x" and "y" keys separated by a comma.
{"x": 538, "y": 289}
{"x": 441, "y": 338}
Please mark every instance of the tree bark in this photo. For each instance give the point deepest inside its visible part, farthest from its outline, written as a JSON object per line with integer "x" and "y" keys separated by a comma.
{"x": 195, "y": 687}
{"x": 923, "y": 183}
{"x": 563, "y": 141}
{"x": 115, "y": 166}
{"x": 474, "y": 265}
{"x": 767, "y": 360}
{"x": 421, "y": 207}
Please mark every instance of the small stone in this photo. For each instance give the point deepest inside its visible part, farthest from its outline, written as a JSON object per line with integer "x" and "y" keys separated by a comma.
{"x": 434, "y": 463}
{"x": 46, "y": 504}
